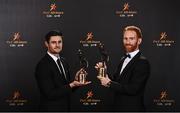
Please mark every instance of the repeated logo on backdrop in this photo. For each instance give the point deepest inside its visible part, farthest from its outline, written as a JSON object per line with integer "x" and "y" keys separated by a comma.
{"x": 16, "y": 99}
{"x": 53, "y": 10}
{"x": 89, "y": 99}
{"x": 164, "y": 40}
{"x": 126, "y": 11}
{"x": 89, "y": 41}
{"x": 16, "y": 40}
{"x": 164, "y": 99}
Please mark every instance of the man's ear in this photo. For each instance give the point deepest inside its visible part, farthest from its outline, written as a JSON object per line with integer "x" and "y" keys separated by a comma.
{"x": 46, "y": 44}
{"x": 139, "y": 41}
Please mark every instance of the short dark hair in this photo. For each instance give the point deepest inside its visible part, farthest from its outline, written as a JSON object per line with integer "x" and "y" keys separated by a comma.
{"x": 52, "y": 33}
{"x": 134, "y": 28}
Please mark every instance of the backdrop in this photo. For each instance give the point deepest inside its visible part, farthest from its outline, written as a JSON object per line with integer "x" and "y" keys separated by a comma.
{"x": 24, "y": 23}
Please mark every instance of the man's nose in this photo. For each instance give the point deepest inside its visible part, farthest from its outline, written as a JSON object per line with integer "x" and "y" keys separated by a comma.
{"x": 127, "y": 41}
{"x": 57, "y": 44}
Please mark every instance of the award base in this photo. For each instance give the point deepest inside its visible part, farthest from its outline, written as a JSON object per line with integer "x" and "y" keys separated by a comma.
{"x": 102, "y": 72}
{"x": 82, "y": 78}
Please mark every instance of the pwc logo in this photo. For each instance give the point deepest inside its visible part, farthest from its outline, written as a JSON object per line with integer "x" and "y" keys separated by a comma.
{"x": 16, "y": 99}
{"x": 53, "y": 11}
{"x": 53, "y": 7}
{"x": 89, "y": 100}
{"x": 164, "y": 99}
{"x": 89, "y": 94}
{"x": 89, "y": 41}
{"x": 163, "y": 41}
{"x": 16, "y": 40}
{"x": 126, "y": 11}
{"x": 126, "y": 7}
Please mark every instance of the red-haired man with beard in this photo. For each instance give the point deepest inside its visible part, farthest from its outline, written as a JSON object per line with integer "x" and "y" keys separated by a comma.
{"x": 129, "y": 80}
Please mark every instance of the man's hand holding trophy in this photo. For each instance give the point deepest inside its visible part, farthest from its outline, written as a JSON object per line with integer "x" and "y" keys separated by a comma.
{"x": 102, "y": 68}
{"x": 81, "y": 75}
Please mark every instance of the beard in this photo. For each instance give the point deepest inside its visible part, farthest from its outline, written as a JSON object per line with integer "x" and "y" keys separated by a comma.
{"x": 130, "y": 48}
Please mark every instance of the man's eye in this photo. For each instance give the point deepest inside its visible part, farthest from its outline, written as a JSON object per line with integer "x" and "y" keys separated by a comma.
{"x": 132, "y": 38}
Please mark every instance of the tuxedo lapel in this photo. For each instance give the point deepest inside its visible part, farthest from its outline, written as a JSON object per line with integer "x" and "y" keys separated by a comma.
{"x": 55, "y": 68}
{"x": 121, "y": 63}
{"x": 117, "y": 74}
{"x": 66, "y": 69}
{"x": 130, "y": 64}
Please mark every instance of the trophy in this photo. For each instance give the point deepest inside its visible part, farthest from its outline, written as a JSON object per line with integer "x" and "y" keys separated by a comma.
{"x": 104, "y": 60}
{"x": 82, "y": 74}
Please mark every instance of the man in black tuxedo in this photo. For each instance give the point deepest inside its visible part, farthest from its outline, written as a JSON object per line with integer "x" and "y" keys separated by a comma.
{"x": 129, "y": 80}
{"x": 53, "y": 76}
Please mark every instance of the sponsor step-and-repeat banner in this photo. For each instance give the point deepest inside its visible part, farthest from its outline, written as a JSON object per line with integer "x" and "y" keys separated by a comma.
{"x": 85, "y": 25}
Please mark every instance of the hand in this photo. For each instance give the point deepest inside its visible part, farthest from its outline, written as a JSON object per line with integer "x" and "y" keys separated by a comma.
{"x": 104, "y": 80}
{"x": 100, "y": 65}
{"x": 76, "y": 84}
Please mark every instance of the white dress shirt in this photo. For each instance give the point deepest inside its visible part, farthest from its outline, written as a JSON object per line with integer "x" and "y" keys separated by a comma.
{"x": 127, "y": 60}
{"x": 55, "y": 60}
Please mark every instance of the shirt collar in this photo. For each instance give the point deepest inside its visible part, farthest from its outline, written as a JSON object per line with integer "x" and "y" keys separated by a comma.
{"x": 53, "y": 56}
{"x": 133, "y": 53}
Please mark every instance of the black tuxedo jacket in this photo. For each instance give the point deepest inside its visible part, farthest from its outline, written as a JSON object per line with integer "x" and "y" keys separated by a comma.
{"x": 54, "y": 88}
{"x": 129, "y": 86}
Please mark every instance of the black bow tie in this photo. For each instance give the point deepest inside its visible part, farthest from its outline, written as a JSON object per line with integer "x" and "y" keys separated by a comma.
{"x": 127, "y": 55}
